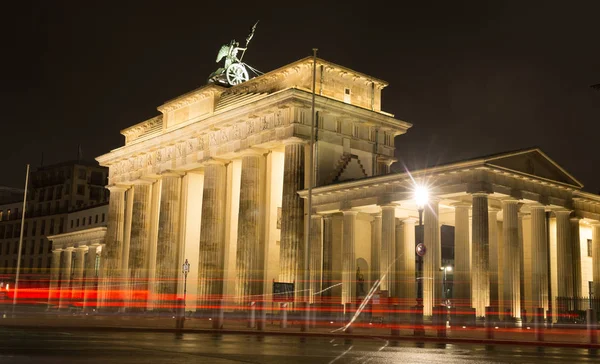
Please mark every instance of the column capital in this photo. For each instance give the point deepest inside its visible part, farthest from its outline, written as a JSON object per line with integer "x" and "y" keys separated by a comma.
{"x": 59, "y": 250}
{"x": 377, "y": 215}
{"x": 294, "y": 140}
{"x": 595, "y": 223}
{"x": 388, "y": 206}
{"x": 537, "y": 205}
{"x": 575, "y": 218}
{"x": 349, "y": 212}
{"x": 461, "y": 204}
{"x": 562, "y": 212}
{"x": 143, "y": 181}
{"x": 409, "y": 220}
{"x": 252, "y": 152}
{"x": 494, "y": 209}
{"x": 172, "y": 173}
{"x": 481, "y": 188}
{"x": 215, "y": 161}
{"x": 118, "y": 188}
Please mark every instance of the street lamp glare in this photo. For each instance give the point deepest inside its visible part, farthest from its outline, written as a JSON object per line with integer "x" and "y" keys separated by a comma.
{"x": 421, "y": 196}
{"x": 449, "y": 268}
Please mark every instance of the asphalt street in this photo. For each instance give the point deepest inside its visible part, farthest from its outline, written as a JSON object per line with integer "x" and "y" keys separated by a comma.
{"x": 47, "y": 346}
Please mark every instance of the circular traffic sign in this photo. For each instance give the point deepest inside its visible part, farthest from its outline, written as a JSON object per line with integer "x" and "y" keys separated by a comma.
{"x": 421, "y": 249}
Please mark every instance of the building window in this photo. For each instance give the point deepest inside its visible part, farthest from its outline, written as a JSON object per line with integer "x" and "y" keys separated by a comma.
{"x": 41, "y": 247}
{"x": 97, "y": 265}
{"x": 61, "y": 227}
{"x": 90, "y": 220}
{"x": 355, "y": 130}
{"x": 8, "y": 214}
{"x": 26, "y": 230}
{"x": 59, "y": 190}
{"x": 96, "y": 221}
{"x": 43, "y": 228}
{"x": 49, "y": 247}
{"x": 82, "y": 174}
{"x": 81, "y": 190}
{"x": 1, "y": 215}
{"x": 83, "y": 222}
{"x": 591, "y": 288}
{"x": 347, "y": 95}
{"x": 16, "y": 247}
{"x": 72, "y": 221}
{"x": 77, "y": 223}
{"x": 32, "y": 247}
{"x": 589, "y": 247}
{"x": 103, "y": 217}
{"x": 52, "y": 226}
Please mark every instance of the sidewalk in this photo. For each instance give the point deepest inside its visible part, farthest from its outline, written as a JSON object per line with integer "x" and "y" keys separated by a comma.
{"x": 521, "y": 336}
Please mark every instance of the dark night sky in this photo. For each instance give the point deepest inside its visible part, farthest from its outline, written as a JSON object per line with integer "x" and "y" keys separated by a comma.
{"x": 473, "y": 77}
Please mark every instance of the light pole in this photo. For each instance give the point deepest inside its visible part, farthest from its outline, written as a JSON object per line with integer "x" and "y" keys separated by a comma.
{"x": 421, "y": 198}
{"x": 186, "y": 270}
{"x": 446, "y": 269}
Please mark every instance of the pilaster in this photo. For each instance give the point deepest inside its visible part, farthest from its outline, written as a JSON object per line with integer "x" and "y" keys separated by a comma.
{"x": 388, "y": 242}
{"x": 54, "y": 288}
{"x": 511, "y": 259}
{"x": 564, "y": 254}
{"x": 432, "y": 260}
{"x": 539, "y": 257}
{"x": 168, "y": 242}
{"x": 212, "y": 234}
{"x": 349, "y": 258}
{"x": 462, "y": 261}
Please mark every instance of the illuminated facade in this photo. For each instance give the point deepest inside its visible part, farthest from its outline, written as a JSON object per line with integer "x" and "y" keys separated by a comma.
{"x": 219, "y": 177}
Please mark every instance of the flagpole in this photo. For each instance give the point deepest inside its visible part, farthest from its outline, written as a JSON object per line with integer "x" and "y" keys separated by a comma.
{"x": 308, "y": 221}
{"x": 20, "y": 242}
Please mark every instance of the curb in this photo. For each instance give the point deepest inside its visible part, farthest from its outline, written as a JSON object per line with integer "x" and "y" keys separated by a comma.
{"x": 431, "y": 339}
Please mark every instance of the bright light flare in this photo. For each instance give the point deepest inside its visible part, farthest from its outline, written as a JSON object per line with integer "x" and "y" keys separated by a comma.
{"x": 421, "y": 196}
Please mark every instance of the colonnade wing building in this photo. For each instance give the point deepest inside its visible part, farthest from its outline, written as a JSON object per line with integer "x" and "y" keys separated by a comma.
{"x": 219, "y": 179}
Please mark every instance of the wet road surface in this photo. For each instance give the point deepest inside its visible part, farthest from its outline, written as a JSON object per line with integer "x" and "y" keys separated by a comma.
{"x": 43, "y": 346}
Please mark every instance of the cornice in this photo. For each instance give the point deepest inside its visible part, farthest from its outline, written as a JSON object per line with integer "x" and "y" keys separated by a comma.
{"x": 79, "y": 236}
{"x": 191, "y": 97}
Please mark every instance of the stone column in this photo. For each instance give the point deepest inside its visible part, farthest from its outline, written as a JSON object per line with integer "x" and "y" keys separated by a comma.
{"x": 327, "y": 256}
{"x": 316, "y": 263}
{"x": 139, "y": 243}
{"x": 212, "y": 234}
{"x": 348, "y": 258}
{"x": 462, "y": 261}
{"x": 576, "y": 250}
{"x": 494, "y": 251}
{"x": 111, "y": 266}
{"x": 54, "y": 288}
{"x": 90, "y": 278}
{"x": 407, "y": 258}
{"x": 480, "y": 258}
{"x": 250, "y": 244}
{"x": 292, "y": 213}
{"x": 77, "y": 275}
{"x": 375, "y": 247}
{"x": 65, "y": 278}
{"x": 596, "y": 257}
{"x": 432, "y": 261}
{"x": 539, "y": 258}
{"x": 564, "y": 254}
{"x": 167, "y": 246}
{"x": 388, "y": 241}
{"x": 511, "y": 258}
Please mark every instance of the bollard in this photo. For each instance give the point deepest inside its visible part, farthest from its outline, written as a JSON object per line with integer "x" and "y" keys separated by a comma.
{"x": 284, "y": 315}
{"x": 251, "y": 314}
{"x": 180, "y": 314}
{"x": 439, "y": 320}
{"x": 489, "y": 322}
{"x": 591, "y": 325}
{"x": 395, "y": 321}
{"x": 304, "y": 316}
{"x": 350, "y": 310}
{"x": 538, "y": 323}
{"x": 418, "y": 321}
{"x": 262, "y": 316}
{"x": 217, "y": 320}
